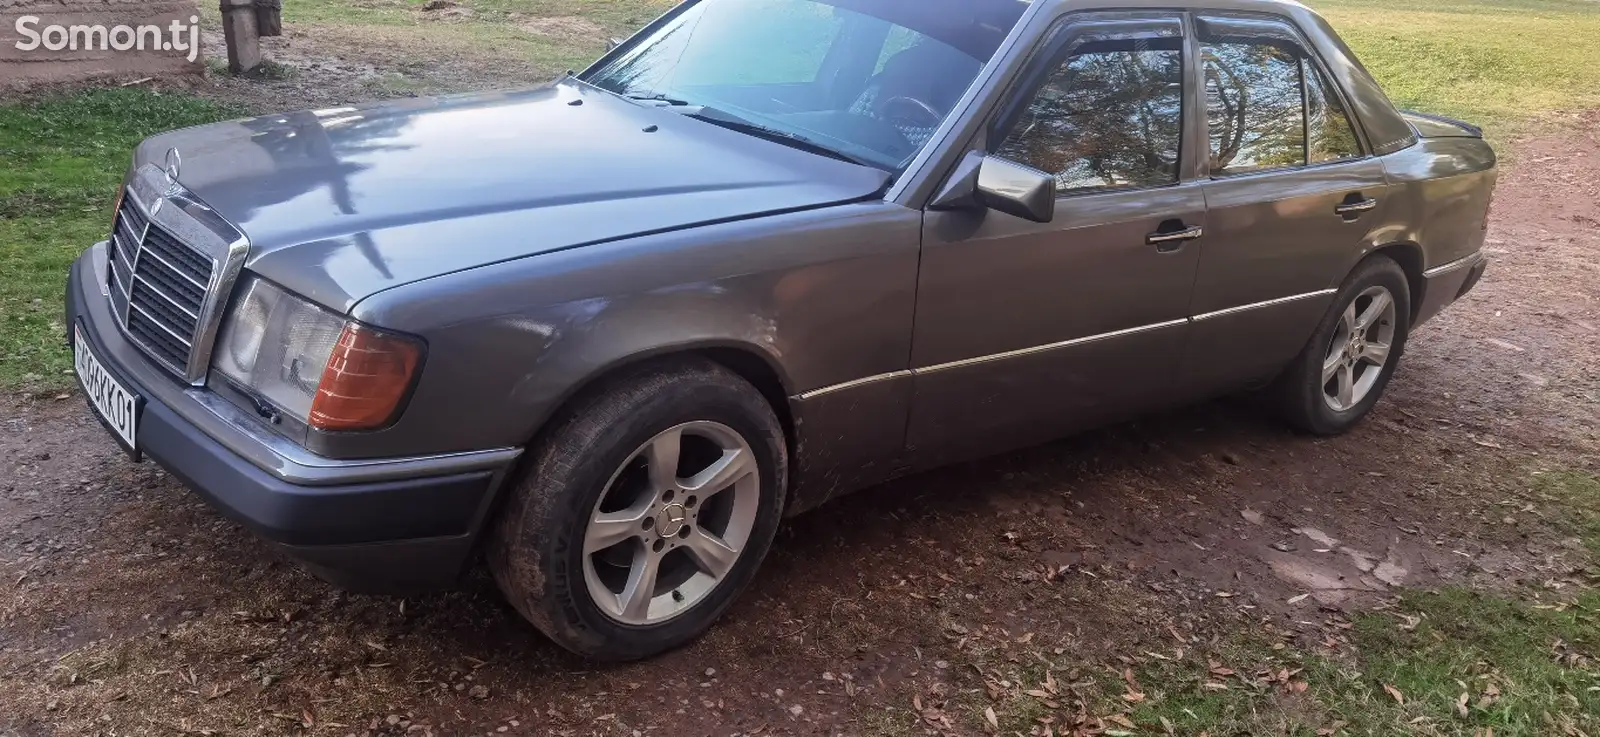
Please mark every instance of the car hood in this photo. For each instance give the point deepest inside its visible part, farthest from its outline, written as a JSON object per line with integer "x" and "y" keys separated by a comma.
{"x": 339, "y": 204}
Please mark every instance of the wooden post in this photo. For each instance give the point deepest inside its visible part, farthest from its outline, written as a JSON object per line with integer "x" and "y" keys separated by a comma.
{"x": 240, "y": 32}
{"x": 269, "y": 17}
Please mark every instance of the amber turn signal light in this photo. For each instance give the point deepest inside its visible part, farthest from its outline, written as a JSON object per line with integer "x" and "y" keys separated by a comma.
{"x": 367, "y": 379}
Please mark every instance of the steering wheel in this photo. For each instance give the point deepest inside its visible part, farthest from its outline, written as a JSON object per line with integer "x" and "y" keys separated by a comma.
{"x": 910, "y": 112}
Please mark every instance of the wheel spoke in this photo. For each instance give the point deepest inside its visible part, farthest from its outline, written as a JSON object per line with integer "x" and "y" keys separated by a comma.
{"x": 710, "y": 553}
{"x": 1349, "y": 318}
{"x": 1330, "y": 366}
{"x": 610, "y": 528}
{"x": 1347, "y": 387}
{"x": 634, "y": 601}
{"x": 1374, "y": 311}
{"x": 1376, "y": 354}
{"x": 662, "y": 455}
{"x": 732, "y": 466}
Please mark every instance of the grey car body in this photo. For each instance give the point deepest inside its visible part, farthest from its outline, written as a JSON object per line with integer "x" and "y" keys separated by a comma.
{"x": 540, "y": 240}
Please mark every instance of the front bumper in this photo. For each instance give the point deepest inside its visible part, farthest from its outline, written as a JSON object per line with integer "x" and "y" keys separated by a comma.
{"x": 380, "y": 525}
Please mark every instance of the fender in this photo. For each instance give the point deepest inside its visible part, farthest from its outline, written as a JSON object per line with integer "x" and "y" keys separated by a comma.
{"x": 821, "y": 297}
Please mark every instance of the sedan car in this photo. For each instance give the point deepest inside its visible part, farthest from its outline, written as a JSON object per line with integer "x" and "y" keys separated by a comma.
{"x": 606, "y": 334}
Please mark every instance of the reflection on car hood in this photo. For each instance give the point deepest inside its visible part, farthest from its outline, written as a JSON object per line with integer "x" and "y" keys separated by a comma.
{"x": 342, "y": 203}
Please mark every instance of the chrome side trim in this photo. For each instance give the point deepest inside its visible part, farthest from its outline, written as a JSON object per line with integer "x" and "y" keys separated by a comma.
{"x": 1268, "y": 303}
{"x": 814, "y": 393}
{"x": 1464, "y": 261}
{"x": 1048, "y": 347}
{"x": 1063, "y": 344}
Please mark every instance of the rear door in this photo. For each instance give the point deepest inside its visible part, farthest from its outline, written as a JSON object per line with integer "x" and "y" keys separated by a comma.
{"x": 1292, "y": 196}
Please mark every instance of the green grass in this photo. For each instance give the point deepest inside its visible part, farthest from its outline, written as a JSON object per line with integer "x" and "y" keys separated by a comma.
{"x": 1528, "y": 670}
{"x": 1504, "y": 64}
{"x": 496, "y": 29}
{"x": 64, "y": 157}
{"x": 1574, "y": 497}
{"x": 622, "y": 16}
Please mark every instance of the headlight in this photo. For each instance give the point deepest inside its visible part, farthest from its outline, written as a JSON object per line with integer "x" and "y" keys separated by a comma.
{"x": 331, "y": 373}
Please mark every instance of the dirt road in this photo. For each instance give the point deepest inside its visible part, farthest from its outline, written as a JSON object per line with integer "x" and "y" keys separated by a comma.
{"x": 127, "y": 607}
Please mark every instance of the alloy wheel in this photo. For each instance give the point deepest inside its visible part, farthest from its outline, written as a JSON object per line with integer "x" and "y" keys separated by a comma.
{"x": 1360, "y": 349}
{"x": 672, "y": 523}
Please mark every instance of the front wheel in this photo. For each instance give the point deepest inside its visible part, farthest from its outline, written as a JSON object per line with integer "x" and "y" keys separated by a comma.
{"x": 644, "y": 511}
{"x": 1348, "y": 362}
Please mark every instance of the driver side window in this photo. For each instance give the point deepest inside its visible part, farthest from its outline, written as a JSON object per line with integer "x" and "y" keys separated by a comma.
{"x": 1109, "y": 117}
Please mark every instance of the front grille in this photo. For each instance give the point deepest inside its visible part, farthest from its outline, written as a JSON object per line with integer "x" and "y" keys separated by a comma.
{"x": 158, "y": 286}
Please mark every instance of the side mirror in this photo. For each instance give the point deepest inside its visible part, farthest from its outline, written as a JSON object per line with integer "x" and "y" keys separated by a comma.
{"x": 1015, "y": 189}
{"x": 998, "y": 184}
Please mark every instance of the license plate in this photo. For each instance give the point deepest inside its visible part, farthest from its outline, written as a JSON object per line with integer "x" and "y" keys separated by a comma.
{"x": 117, "y": 406}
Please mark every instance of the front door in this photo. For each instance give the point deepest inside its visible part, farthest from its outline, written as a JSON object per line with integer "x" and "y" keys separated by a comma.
{"x": 1026, "y": 331}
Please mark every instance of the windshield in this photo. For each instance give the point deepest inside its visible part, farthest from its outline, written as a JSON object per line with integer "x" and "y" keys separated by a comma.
{"x": 868, "y": 79}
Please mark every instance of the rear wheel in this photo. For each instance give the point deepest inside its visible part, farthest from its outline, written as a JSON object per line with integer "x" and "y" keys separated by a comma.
{"x": 644, "y": 512}
{"x": 1348, "y": 362}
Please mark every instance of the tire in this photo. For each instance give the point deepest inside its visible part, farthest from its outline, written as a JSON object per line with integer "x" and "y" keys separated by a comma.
{"x": 588, "y": 515}
{"x": 1315, "y": 406}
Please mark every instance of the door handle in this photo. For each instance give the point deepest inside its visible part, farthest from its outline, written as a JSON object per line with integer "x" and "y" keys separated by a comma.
{"x": 1172, "y": 240}
{"x": 1351, "y": 206}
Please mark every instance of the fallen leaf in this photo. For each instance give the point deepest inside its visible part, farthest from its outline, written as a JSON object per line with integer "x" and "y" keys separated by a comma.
{"x": 1461, "y": 704}
{"x": 1251, "y": 516}
{"x": 1395, "y": 692}
{"x": 988, "y": 716}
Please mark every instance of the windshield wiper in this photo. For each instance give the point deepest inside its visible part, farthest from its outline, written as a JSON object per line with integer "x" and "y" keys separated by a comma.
{"x": 656, "y": 97}
{"x": 730, "y": 121}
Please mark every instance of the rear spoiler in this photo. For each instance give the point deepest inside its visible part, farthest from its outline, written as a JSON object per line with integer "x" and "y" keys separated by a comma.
{"x": 1438, "y": 126}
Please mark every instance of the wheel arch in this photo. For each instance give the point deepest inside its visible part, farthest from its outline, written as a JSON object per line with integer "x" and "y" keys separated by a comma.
{"x": 1409, "y": 256}
{"x": 749, "y": 362}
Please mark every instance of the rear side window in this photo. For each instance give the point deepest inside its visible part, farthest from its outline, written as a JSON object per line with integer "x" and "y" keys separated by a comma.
{"x": 1108, "y": 117}
{"x": 1268, "y": 105}
{"x": 1330, "y": 136}
{"x": 1255, "y": 107}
